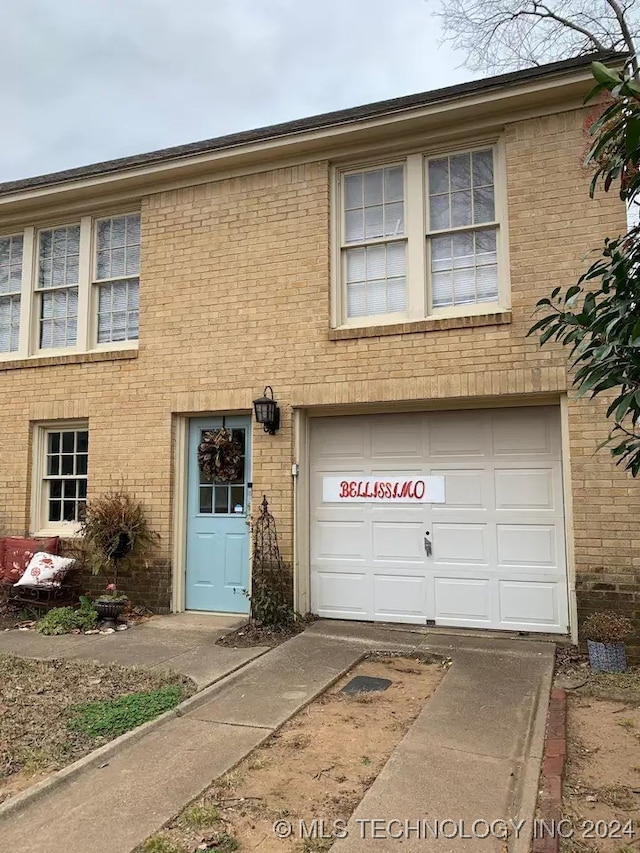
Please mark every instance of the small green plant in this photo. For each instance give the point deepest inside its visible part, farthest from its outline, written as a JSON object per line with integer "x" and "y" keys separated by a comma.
{"x": 608, "y": 627}
{"x": 366, "y": 760}
{"x": 112, "y": 717}
{"x": 160, "y": 844}
{"x": 64, "y": 620}
{"x": 200, "y": 816}
{"x": 270, "y": 608}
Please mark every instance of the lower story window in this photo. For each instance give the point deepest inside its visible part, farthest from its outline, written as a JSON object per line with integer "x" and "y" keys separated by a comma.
{"x": 64, "y": 484}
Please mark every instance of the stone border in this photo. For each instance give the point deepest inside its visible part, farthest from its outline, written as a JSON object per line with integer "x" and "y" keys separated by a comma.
{"x": 553, "y": 767}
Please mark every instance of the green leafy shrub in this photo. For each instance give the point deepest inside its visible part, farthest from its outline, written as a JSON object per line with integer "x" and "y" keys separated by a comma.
{"x": 113, "y": 717}
{"x": 64, "y": 620}
{"x": 158, "y": 844}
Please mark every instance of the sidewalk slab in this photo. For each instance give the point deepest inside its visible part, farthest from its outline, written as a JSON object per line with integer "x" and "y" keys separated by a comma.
{"x": 281, "y": 682}
{"x": 184, "y": 643}
{"x": 471, "y": 755}
{"x": 142, "y": 786}
{"x": 114, "y": 808}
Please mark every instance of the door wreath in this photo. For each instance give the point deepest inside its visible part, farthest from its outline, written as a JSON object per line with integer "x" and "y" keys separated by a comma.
{"x": 220, "y": 456}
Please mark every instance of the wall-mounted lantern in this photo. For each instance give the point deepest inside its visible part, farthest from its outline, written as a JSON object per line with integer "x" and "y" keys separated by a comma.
{"x": 267, "y": 412}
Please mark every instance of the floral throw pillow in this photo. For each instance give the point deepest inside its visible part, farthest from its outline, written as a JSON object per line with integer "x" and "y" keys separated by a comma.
{"x": 18, "y": 552}
{"x": 45, "y": 570}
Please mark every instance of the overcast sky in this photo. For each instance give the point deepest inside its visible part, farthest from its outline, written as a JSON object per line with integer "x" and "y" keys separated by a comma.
{"x": 89, "y": 80}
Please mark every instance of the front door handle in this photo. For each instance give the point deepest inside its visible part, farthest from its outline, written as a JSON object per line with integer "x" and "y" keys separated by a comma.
{"x": 428, "y": 548}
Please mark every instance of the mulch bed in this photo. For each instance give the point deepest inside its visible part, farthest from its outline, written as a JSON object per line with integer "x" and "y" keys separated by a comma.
{"x": 35, "y": 699}
{"x": 255, "y": 634}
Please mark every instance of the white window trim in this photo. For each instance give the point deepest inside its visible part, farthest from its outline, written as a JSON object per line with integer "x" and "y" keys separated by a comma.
{"x": 416, "y": 234}
{"x": 87, "y": 335}
{"x": 38, "y": 523}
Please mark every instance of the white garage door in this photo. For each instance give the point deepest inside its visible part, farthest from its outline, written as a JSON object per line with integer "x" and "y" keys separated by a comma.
{"x": 498, "y": 550}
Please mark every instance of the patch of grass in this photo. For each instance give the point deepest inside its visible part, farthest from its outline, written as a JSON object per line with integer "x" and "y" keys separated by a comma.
{"x": 113, "y": 717}
{"x": 316, "y": 845}
{"x": 366, "y": 760}
{"x": 628, "y": 725}
{"x": 198, "y": 817}
{"x": 64, "y": 620}
{"x": 223, "y": 843}
{"x": 160, "y": 844}
{"x": 35, "y": 761}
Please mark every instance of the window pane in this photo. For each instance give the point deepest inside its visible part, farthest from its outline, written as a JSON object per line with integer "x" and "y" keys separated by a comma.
{"x": 53, "y": 465}
{"x": 82, "y": 441}
{"x": 56, "y": 489}
{"x": 9, "y": 323}
{"x": 460, "y": 166}
{"x": 464, "y": 268}
{"x": 206, "y": 499}
{"x": 483, "y": 205}
{"x": 394, "y": 184}
{"x": 442, "y": 289}
{"x": 373, "y": 187}
{"x": 438, "y": 176}
{"x": 354, "y": 226}
{"x": 237, "y": 498}
{"x": 221, "y": 499}
{"x": 460, "y": 209}
{"x": 439, "y": 212}
{"x": 374, "y": 222}
{"x": 353, "y": 191}
{"x": 482, "y": 168}
{"x": 55, "y": 511}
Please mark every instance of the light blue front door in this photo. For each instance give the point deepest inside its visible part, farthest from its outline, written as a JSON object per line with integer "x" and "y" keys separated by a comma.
{"x": 217, "y": 530}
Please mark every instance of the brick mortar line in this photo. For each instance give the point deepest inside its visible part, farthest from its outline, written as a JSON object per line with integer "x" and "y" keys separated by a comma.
{"x": 553, "y": 770}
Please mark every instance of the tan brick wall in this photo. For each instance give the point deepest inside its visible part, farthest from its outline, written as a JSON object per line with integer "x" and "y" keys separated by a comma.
{"x": 235, "y": 295}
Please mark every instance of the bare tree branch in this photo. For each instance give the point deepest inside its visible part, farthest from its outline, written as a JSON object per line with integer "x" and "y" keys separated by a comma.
{"x": 502, "y": 35}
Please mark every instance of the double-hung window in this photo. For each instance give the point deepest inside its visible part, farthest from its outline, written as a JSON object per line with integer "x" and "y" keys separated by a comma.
{"x": 60, "y": 465}
{"x": 117, "y": 267}
{"x": 420, "y": 238}
{"x": 11, "y": 250}
{"x": 70, "y": 287}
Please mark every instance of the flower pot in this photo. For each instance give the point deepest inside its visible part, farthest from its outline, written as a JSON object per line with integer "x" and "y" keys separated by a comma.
{"x": 607, "y": 657}
{"x": 109, "y": 610}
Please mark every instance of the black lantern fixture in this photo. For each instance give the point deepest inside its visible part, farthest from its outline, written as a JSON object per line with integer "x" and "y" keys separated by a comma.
{"x": 267, "y": 412}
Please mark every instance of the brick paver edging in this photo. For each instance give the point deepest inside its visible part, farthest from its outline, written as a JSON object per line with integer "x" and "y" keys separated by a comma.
{"x": 553, "y": 764}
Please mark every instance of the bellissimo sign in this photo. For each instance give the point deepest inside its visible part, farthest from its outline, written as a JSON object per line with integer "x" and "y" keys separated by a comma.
{"x": 415, "y": 489}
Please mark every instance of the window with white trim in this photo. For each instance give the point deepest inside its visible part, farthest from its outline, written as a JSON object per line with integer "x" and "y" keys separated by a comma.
{"x": 61, "y": 465}
{"x": 71, "y": 287}
{"x": 421, "y": 238}
{"x": 11, "y": 250}
{"x": 117, "y": 270}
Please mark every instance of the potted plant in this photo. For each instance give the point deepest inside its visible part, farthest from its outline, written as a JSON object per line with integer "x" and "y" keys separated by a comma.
{"x": 110, "y": 605}
{"x": 117, "y": 535}
{"x": 605, "y": 633}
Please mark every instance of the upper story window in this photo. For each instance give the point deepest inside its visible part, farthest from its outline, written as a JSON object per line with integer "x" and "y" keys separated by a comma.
{"x": 421, "y": 238}
{"x": 11, "y": 250}
{"x": 71, "y": 287}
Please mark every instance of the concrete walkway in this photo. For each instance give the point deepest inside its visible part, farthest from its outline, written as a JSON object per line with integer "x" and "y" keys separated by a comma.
{"x": 184, "y": 643}
{"x": 473, "y": 752}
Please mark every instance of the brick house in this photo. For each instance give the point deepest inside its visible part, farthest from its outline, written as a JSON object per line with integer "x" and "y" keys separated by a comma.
{"x": 378, "y": 268}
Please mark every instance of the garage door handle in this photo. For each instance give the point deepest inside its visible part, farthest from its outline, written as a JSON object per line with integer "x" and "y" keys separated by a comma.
{"x": 428, "y": 550}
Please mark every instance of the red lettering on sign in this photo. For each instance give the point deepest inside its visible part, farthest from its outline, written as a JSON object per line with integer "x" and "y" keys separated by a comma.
{"x": 421, "y": 487}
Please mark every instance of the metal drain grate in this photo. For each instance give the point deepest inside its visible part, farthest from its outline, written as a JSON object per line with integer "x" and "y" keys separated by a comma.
{"x": 365, "y": 684}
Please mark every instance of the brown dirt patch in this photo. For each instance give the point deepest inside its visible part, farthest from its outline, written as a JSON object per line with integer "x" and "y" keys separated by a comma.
{"x": 254, "y": 634}
{"x": 35, "y": 697}
{"x": 319, "y": 765}
{"x": 603, "y": 773}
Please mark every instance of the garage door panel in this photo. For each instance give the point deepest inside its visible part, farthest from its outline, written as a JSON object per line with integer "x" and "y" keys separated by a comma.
{"x": 459, "y": 544}
{"x": 530, "y": 602}
{"x": 455, "y": 436}
{"x": 400, "y": 542}
{"x": 353, "y": 439}
{"x": 399, "y": 598}
{"x": 526, "y": 488}
{"x": 463, "y": 488}
{"x": 523, "y": 431}
{"x": 396, "y": 438}
{"x": 462, "y": 600}
{"x": 341, "y": 540}
{"x": 532, "y": 545}
{"x": 343, "y": 595}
